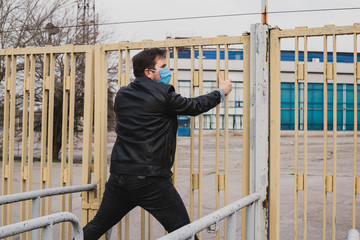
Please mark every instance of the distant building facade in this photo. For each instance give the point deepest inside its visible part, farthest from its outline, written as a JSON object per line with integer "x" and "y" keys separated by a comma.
{"x": 345, "y": 89}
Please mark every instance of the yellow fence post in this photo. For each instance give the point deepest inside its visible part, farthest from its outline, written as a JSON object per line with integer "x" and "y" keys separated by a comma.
{"x": 259, "y": 131}
{"x": 355, "y": 131}
{"x": 217, "y": 157}
{"x": 88, "y": 197}
{"x": 9, "y": 136}
{"x": 100, "y": 125}
{"x": 64, "y": 137}
{"x": 333, "y": 219}
{"x": 274, "y": 205}
{"x": 325, "y": 136}
{"x": 246, "y": 126}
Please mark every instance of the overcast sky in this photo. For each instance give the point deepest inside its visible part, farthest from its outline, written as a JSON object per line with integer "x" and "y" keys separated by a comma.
{"x": 135, "y": 10}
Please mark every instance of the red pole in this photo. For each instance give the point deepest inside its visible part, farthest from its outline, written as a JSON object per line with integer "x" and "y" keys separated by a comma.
{"x": 264, "y": 11}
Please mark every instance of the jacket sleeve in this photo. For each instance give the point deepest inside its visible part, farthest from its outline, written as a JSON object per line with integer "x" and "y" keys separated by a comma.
{"x": 180, "y": 105}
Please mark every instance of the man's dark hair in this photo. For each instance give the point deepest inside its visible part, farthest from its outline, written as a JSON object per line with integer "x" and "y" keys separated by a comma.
{"x": 146, "y": 59}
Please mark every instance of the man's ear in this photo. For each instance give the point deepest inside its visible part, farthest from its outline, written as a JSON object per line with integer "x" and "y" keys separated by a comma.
{"x": 147, "y": 73}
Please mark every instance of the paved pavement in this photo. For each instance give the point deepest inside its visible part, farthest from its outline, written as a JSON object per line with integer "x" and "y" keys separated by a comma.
{"x": 314, "y": 181}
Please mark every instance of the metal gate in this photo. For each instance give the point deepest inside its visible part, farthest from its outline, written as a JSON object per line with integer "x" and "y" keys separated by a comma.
{"x": 38, "y": 73}
{"x": 196, "y": 69}
{"x": 208, "y": 165}
{"x": 31, "y": 77}
{"x": 315, "y": 156}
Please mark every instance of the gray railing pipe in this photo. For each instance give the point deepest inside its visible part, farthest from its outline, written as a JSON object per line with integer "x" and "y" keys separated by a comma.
{"x": 45, "y": 222}
{"x": 353, "y": 234}
{"x": 229, "y": 211}
{"x": 37, "y": 194}
{"x": 18, "y": 197}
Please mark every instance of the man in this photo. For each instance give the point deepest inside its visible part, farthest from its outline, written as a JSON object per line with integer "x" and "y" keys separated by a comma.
{"x": 143, "y": 154}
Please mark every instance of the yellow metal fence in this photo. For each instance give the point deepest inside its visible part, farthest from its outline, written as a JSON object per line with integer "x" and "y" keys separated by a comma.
{"x": 205, "y": 171}
{"x": 34, "y": 73}
{"x": 308, "y": 160}
{"x": 51, "y": 68}
{"x": 196, "y": 160}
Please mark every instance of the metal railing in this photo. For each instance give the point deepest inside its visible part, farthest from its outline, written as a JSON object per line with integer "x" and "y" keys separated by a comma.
{"x": 45, "y": 222}
{"x": 353, "y": 234}
{"x": 35, "y": 196}
{"x": 227, "y": 212}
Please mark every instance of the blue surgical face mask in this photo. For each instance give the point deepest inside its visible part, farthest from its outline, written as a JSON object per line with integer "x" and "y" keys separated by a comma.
{"x": 165, "y": 75}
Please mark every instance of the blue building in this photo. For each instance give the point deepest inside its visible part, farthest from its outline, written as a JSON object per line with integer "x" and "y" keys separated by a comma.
{"x": 345, "y": 89}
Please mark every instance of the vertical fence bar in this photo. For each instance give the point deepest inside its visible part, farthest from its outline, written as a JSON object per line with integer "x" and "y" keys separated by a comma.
{"x": 200, "y": 163}
{"x": 9, "y": 136}
{"x": 64, "y": 137}
{"x": 48, "y": 232}
{"x": 50, "y": 135}
{"x": 120, "y": 68}
{"x": 305, "y": 136}
{"x": 226, "y": 140}
{"x": 5, "y": 155}
{"x": 127, "y": 74}
{"x": 71, "y": 137}
{"x": 25, "y": 119}
{"x": 296, "y": 145}
{"x": 121, "y": 82}
{"x": 104, "y": 123}
{"x": 325, "y": 137}
{"x": 44, "y": 126}
{"x": 355, "y": 134}
{"x": 35, "y": 234}
{"x": 99, "y": 105}
{"x": 25, "y": 114}
{"x": 333, "y": 220}
{"x": 12, "y": 132}
{"x": 127, "y": 81}
{"x": 274, "y": 148}
{"x": 142, "y": 225}
{"x": 87, "y": 197}
{"x": 100, "y": 161}
{"x": 127, "y": 66}
{"x": 192, "y": 137}
{"x": 150, "y": 228}
{"x": 31, "y": 134}
{"x": 119, "y": 230}
{"x": 217, "y": 134}
{"x": 176, "y": 68}
{"x": 246, "y": 127}
{"x": 167, "y": 57}
{"x": 231, "y": 226}
{"x": 175, "y": 84}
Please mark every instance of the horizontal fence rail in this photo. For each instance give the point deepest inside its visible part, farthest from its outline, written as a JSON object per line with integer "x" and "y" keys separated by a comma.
{"x": 17, "y": 197}
{"x": 228, "y": 211}
{"x": 45, "y": 222}
{"x": 35, "y": 196}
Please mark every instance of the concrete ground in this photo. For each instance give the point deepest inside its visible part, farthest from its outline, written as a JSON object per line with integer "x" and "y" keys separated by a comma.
{"x": 315, "y": 182}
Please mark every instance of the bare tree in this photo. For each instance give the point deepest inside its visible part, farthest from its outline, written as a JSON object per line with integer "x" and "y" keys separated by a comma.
{"x": 39, "y": 23}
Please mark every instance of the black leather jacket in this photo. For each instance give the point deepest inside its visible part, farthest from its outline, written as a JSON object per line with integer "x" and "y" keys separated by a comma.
{"x": 146, "y": 116}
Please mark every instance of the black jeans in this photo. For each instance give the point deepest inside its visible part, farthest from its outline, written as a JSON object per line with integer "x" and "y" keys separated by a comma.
{"x": 157, "y": 195}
